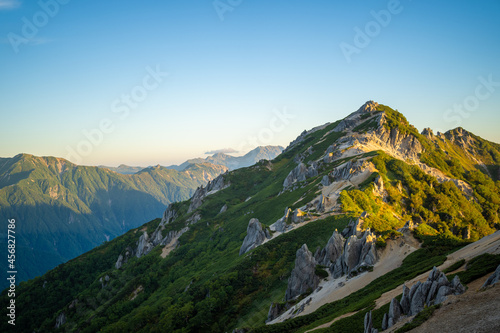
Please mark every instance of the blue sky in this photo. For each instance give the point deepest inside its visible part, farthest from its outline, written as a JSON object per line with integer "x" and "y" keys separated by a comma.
{"x": 240, "y": 73}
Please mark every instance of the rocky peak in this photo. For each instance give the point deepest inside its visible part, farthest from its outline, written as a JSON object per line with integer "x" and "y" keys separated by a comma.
{"x": 428, "y": 133}
{"x": 303, "y": 276}
{"x": 256, "y": 235}
{"x": 332, "y": 251}
{"x": 355, "y": 118}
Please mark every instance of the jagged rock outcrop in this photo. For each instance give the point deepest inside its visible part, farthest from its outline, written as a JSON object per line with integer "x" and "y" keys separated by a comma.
{"x": 303, "y": 276}
{"x": 348, "y": 170}
{"x": 146, "y": 243}
{"x": 173, "y": 235}
{"x": 325, "y": 181}
{"x": 124, "y": 257}
{"x": 276, "y": 309}
{"x": 144, "y": 246}
{"x": 169, "y": 215}
{"x": 60, "y": 320}
{"x": 299, "y": 216}
{"x": 332, "y": 251}
{"x": 428, "y": 133}
{"x": 322, "y": 203}
{"x": 201, "y": 192}
{"x": 409, "y": 225}
{"x": 355, "y": 227}
{"x": 359, "y": 254}
{"x": 282, "y": 225}
{"x": 194, "y": 218}
{"x": 300, "y": 173}
{"x": 369, "y": 323}
{"x": 256, "y": 235}
{"x": 378, "y": 187}
{"x": 493, "y": 279}
{"x": 433, "y": 291}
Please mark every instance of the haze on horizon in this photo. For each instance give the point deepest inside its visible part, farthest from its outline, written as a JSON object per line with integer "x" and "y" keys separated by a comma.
{"x": 165, "y": 81}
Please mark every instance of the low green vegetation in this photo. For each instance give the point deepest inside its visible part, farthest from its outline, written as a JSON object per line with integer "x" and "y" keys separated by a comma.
{"x": 419, "y": 319}
{"x": 478, "y": 267}
{"x": 454, "y": 267}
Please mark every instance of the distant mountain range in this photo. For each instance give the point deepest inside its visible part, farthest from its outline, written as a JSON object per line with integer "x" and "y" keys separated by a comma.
{"x": 231, "y": 162}
{"x": 235, "y": 162}
{"x": 124, "y": 169}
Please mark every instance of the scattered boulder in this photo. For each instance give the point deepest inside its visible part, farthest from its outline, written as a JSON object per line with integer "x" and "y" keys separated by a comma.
{"x": 60, "y": 320}
{"x": 223, "y": 209}
{"x": 104, "y": 281}
{"x": 493, "y": 279}
{"x": 299, "y": 216}
{"x": 276, "y": 309}
{"x": 303, "y": 276}
{"x": 256, "y": 235}
{"x": 282, "y": 224}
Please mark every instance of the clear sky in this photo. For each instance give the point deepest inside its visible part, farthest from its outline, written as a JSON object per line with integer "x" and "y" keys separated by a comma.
{"x": 241, "y": 73}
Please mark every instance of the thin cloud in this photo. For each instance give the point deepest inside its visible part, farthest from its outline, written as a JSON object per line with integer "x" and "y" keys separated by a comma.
{"x": 224, "y": 150}
{"x": 9, "y": 4}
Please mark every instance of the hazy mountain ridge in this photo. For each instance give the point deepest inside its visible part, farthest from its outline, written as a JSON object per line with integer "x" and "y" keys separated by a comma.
{"x": 235, "y": 162}
{"x": 372, "y": 164}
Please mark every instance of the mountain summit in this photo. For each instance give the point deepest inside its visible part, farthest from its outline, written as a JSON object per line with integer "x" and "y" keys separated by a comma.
{"x": 343, "y": 218}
